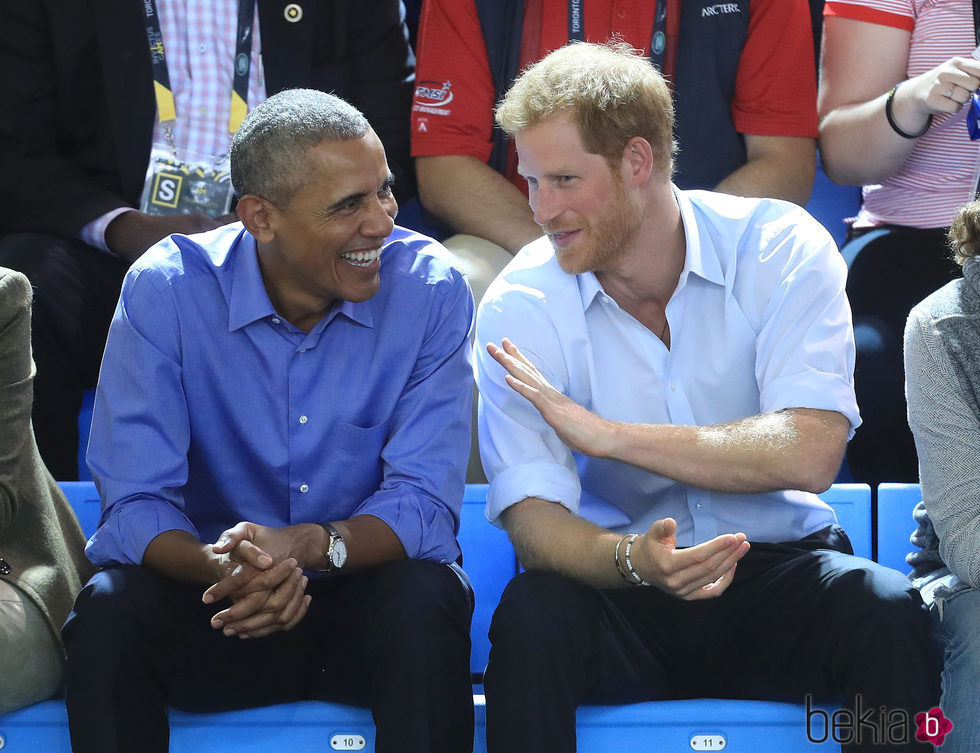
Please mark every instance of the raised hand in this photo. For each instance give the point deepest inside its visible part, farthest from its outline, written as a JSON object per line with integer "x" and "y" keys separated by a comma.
{"x": 580, "y": 429}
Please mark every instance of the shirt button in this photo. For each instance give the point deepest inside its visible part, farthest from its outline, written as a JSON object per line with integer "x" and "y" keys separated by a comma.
{"x": 302, "y": 350}
{"x": 304, "y": 488}
{"x": 276, "y": 320}
{"x": 202, "y": 48}
{"x": 673, "y": 387}
{"x": 699, "y": 505}
{"x": 303, "y": 419}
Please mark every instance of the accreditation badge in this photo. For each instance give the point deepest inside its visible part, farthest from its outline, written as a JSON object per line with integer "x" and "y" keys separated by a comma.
{"x": 179, "y": 181}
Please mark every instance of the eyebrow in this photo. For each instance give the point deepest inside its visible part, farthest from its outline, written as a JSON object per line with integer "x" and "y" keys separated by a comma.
{"x": 389, "y": 182}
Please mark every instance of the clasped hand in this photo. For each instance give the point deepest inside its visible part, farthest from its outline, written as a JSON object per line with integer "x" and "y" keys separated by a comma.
{"x": 262, "y": 579}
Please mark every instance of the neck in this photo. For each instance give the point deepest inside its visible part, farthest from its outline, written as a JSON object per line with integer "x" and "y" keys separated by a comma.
{"x": 649, "y": 269}
{"x": 292, "y": 302}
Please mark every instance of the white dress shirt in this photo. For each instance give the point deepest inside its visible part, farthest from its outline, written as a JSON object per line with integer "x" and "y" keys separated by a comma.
{"x": 758, "y": 321}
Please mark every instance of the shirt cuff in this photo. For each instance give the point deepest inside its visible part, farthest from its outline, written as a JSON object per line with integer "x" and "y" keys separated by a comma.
{"x": 122, "y": 538}
{"x": 833, "y": 393}
{"x": 425, "y": 530}
{"x": 94, "y": 233}
{"x": 547, "y": 481}
{"x": 860, "y": 12}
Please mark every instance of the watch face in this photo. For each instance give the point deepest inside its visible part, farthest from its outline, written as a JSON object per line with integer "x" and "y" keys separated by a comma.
{"x": 338, "y": 553}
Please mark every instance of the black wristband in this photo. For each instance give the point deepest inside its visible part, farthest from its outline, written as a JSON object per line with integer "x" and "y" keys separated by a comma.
{"x": 891, "y": 117}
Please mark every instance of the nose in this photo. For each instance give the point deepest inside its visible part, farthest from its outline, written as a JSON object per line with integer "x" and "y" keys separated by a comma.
{"x": 380, "y": 219}
{"x": 545, "y": 204}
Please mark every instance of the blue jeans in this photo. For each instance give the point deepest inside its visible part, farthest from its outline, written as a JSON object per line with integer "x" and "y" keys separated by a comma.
{"x": 956, "y": 621}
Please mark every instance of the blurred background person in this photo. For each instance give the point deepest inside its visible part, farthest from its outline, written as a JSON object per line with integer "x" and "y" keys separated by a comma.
{"x": 42, "y": 563}
{"x": 942, "y": 364}
{"x": 895, "y": 76}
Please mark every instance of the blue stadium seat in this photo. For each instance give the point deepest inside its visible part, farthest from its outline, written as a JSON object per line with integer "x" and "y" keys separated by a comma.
{"x": 895, "y": 523}
{"x": 706, "y": 724}
{"x": 852, "y": 505}
{"x": 84, "y": 499}
{"x": 831, "y": 204}
{"x": 84, "y": 425}
{"x": 489, "y": 560}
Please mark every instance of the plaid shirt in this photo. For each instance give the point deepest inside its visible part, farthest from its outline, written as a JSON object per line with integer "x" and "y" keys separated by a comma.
{"x": 199, "y": 39}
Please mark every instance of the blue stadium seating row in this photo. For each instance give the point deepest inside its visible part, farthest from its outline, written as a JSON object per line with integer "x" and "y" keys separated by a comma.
{"x": 703, "y": 724}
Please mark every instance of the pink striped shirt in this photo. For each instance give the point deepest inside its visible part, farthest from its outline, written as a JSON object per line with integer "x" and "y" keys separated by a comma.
{"x": 199, "y": 41}
{"x": 941, "y": 173}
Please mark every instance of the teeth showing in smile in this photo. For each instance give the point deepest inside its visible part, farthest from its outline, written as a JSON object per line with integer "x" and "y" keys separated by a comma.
{"x": 361, "y": 258}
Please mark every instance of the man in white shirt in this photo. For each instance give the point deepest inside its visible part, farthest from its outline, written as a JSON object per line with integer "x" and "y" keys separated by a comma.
{"x": 665, "y": 377}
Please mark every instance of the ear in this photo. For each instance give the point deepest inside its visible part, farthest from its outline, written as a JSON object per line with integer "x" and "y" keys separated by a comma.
{"x": 637, "y": 161}
{"x": 256, "y": 214}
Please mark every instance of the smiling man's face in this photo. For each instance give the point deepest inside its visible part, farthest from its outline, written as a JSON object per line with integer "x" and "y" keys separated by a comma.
{"x": 328, "y": 238}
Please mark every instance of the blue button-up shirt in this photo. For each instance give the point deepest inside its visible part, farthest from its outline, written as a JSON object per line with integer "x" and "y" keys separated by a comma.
{"x": 758, "y": 322}
{"x": 212, "y": 408}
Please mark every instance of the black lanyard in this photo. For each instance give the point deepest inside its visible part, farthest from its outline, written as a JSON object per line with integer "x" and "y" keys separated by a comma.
{"x": 161, "y": 75}
{"x": 658, "y": 41}
{"x": 976, "y": 21}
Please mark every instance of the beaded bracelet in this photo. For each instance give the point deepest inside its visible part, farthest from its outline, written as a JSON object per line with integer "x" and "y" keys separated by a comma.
{"x": 630, "y": 573}
{"x": 619, "y": 565}
{"x": 891, "y": 117}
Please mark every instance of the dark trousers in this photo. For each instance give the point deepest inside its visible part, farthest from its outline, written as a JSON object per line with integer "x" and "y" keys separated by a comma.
{"x": 890, "y": 270}
{"x": 75, "y": 292}
{"x": 394, "y": 639}
{"x": 794, "y": 621}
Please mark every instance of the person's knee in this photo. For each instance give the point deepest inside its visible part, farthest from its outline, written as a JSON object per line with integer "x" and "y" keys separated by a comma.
{"x": 418, "y": 607}
{"x": 538, "y": 612}
{"x": 883, "y": 607}
{"x": 111, "y": 611}
{"x": 959, "y": 627}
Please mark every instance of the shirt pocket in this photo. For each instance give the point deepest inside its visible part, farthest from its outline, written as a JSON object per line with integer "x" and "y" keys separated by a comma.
{"x": 356, "y": 450}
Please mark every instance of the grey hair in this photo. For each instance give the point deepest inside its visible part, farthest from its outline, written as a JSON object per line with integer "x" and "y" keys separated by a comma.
{"x": 269, "y": 153}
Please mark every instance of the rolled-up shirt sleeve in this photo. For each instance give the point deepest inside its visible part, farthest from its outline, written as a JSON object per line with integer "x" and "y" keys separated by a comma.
{"x": 805, "y": 353}
{"x": 522, "y": 455}
{"x": 424, "y": 457}
{"x": 140, "y": 429}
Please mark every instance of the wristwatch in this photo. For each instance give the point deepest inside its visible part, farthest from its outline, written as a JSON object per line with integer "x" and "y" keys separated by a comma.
{"x": 336, "y": 554}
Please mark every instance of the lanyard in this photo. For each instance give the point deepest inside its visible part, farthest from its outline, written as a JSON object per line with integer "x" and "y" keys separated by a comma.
{"x": 976, "y": 20}
{"x": 663, "y": 42}
{"x": 161, "y": 75}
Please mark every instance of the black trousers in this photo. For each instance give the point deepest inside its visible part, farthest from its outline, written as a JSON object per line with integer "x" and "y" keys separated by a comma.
{"x": 796, "y": 620}
{"x": 394, "y": 639}
{"x": 75, "y": 292}
{"x": 890, "y": 270}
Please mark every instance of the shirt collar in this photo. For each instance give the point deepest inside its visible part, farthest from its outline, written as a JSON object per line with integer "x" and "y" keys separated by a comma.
{"x": 701, "y": 257}
{"x": 249, "y": 302}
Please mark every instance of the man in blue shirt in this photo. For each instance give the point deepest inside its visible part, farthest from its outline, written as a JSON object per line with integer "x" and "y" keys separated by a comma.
{"x": 665, "y": 378}
{"x": 282, "y": 427}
